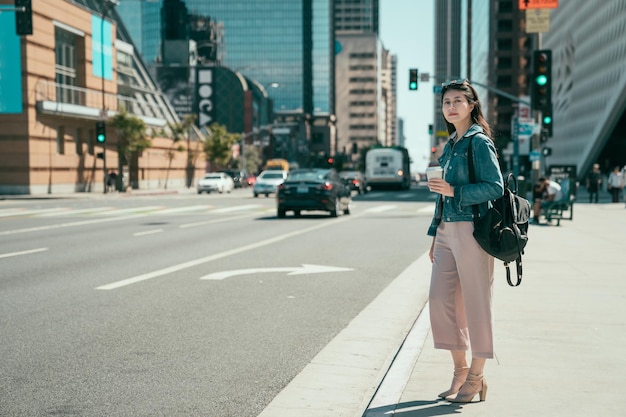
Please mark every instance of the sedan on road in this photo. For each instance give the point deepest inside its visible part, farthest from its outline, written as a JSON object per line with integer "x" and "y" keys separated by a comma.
{"x": 268, "y": 181}
{"x": 313, "y": 189}
{"x": 215, "y": 181}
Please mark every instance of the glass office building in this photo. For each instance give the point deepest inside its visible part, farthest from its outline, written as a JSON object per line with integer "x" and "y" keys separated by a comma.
{"x": 285, "y": 45}
{"x": 142, "y": 19}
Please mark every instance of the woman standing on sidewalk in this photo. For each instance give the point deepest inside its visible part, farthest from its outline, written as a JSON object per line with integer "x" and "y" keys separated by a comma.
{"x": 461, "y": 283}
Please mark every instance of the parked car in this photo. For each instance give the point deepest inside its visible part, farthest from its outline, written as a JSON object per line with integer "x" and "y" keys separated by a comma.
{"x": 239, "y": 178}
{"x": 313, "y": 189}
{"x": 356, "y": 180}
{"x": 268, "y": 181}
{"x": 216, "y": 181}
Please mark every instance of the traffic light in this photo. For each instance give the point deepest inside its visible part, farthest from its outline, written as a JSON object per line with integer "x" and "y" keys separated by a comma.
{"x": 547, "y": 122}
{"x": 101, "y": 132}
{"x": 413, "y": 79}
{"x": 541, "y": 83}
{"x": 23, "y": 17}
{"x": 430, "y": 129}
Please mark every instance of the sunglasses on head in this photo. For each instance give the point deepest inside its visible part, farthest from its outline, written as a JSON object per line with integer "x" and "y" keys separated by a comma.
{"x": 453, "y": 83}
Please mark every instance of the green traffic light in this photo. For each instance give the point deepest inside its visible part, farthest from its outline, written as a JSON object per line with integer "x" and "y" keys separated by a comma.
{"x": 101, "y": 138}
{"x": 541, "y": 80}
{"x": 413, "y": 86}
{"x": 547, "y": 120}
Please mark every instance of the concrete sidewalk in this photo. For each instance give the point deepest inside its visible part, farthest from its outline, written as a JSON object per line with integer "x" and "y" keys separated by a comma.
{"x": 559, "y": 337}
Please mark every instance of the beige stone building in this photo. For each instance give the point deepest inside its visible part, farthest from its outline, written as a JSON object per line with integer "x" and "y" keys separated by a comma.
{"x": 75, "y": 69}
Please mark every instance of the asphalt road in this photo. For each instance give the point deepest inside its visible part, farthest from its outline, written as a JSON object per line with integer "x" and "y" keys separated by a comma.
{"x": 184, "y": 304}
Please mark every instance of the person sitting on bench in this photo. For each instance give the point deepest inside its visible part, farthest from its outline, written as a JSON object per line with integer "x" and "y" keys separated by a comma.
{"x": 545, "y": 192}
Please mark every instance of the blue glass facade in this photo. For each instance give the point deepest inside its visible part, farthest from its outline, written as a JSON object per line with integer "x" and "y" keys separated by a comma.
{"x": 285, "y": 45}
{"x": 143, "y": 21}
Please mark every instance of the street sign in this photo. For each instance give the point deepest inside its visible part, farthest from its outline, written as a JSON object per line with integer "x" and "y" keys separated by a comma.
{"x": 534, "y": 156}
{"x": 424, "y": 76}
{"x": 538, "y": 4}
{"x": 537, "y": 20}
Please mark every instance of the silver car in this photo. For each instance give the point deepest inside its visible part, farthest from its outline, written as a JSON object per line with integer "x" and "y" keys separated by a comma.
{"x": 268, "y": 181}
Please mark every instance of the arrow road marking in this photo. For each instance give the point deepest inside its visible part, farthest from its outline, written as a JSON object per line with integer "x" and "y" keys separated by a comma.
{"x": 297, "y": 270}
{"x": 211, "y": 258}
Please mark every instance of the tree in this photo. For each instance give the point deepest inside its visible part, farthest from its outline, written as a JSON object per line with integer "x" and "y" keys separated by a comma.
{"x": 218, "y": 145}
{"x": 131, "y": 141}
{"x": 179, "y": 131}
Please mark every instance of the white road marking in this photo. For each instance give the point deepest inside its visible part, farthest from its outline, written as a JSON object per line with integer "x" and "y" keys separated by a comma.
{"x": 133, "y": 210}
{"x": 183, "y": 209}
{"x": 297, "y": 270}
{"x": 148, "y": 232}
{"x": 27, "y": 212}
{"x": 71, "y": 212}
{"x": 426, "y": 210}
{"x": 235, "y": 208}
{"x": 24, "y": 252}
{"x": 380, "y": 209}
{"x": 200, "y": 261}
{"x": 212, "y": 221}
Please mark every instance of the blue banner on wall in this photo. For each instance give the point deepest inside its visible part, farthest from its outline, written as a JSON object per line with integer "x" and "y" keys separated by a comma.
{"x": 101, "y": 48}
{"x": 10, "y": 66}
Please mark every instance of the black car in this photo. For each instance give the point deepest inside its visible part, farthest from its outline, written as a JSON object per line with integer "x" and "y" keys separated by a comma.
{"x": 313, "y": 189}
{"x": 239, "y": 178}
{"x": 356, "y": 180}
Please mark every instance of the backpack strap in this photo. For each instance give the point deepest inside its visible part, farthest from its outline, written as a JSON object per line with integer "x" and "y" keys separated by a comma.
{"x": 518, "y": 265}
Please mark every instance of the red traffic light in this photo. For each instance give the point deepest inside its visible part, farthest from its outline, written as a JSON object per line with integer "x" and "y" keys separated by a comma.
{"x": 433, "y": 149}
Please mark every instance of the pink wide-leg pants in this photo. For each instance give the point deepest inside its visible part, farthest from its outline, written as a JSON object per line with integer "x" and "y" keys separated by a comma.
{"x": 461, "y": 291}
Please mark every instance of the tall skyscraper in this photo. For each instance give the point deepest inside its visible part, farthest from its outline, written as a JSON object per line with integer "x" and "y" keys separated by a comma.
{"x": 285, "y": 45}
{"x": 356, "y": 16}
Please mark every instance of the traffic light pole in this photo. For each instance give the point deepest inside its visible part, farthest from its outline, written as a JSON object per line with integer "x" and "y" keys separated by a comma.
{"x": 103, "y": 110}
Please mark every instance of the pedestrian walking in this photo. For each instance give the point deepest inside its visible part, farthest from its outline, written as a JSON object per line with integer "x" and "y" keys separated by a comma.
{"x": 461, "y": 285}
{"x": 594, "y": 182}
{"x": 615, "y": 184}
{"x": 111, "y": 180}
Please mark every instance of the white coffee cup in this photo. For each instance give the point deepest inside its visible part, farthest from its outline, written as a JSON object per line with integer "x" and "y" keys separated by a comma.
{"x": 434, "y": 172}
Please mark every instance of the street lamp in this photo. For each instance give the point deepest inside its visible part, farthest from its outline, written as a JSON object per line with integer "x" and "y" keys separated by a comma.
{"x": 105, "y": 7}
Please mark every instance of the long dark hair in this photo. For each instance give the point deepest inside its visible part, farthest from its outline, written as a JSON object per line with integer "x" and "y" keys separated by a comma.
{"x": 472, "y": 97}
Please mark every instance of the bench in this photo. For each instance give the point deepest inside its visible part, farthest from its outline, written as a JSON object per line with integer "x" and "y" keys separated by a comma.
{"x": 562, "y": 209}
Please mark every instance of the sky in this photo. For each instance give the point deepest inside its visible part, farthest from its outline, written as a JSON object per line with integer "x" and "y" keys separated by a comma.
{"x": 407, "y": 31}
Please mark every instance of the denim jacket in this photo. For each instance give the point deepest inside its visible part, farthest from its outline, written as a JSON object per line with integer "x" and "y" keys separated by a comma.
{"x": 488, "y": 185}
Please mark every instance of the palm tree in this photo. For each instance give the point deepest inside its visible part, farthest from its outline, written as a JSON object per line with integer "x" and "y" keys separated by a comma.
{"x": 179, "y": 131}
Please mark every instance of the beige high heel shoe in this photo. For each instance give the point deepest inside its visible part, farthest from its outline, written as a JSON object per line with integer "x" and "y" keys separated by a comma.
{"x": 457, "y": 381}
{"x": 474, "y": 384}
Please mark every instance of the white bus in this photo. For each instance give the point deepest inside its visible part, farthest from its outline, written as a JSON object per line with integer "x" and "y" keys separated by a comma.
{"x": 388, "y": 167}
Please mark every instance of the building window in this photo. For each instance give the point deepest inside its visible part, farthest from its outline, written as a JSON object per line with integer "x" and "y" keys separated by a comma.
{"x": 362, "y": 91}
{"x": 66, "y": 67}
{"x": 363, "y": 127}
{"x": 505, "y": 62}
{"x": 505, "y": 44}
{"x": 504, "y": 81}
{"x": 505, "y": 25}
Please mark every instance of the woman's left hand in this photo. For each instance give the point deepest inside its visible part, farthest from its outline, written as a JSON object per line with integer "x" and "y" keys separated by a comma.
{"x": 439, "y": 185}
